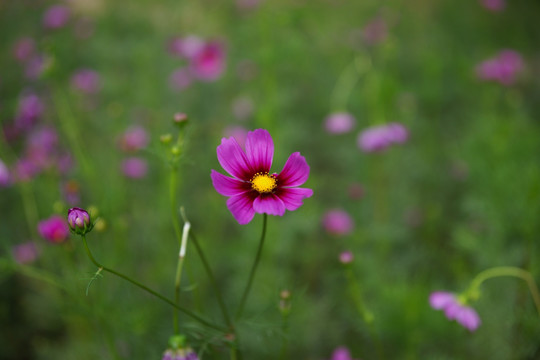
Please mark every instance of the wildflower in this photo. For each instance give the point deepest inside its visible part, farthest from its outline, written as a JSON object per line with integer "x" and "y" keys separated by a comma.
{"x": 337, "y": 222}
{"x": 79, "y": 221}
{"x": 180, "y": 354}
{"x": 87, "y": 81}
{"x": 454, "y": 309}
{"x": 54, "y": 229}
{"x": 503, "y": 68}
{"x": 493, "y": 5}
{"x": 24, "y": 49}
{"x": 378, "y": 138}
{"x": 134, "y": 167}
{"x": 253, "y": 189}
{"x": 209, "y": 63}
{"x": 56, "y": 17}
{"x": 341, "y": 353}
{"x": 25, "y": 169}
{"x": 25, "y": 253}
{"x": 133, "y": 139}
{"x": 29, "y": 110}
{"x": 5, "y": 177}
{"x": 346, "y": 257}
{"x": 186, "y": 47}
{"x": 339, "y": 123}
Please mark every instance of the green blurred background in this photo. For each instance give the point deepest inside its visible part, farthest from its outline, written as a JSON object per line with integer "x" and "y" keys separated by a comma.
{"x": 460, "y": 196}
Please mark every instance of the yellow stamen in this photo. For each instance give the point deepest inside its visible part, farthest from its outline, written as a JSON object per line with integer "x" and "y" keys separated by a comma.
{"x": 263, "y": 182}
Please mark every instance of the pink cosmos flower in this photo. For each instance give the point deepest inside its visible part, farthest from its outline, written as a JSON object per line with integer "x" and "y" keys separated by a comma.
{"x": 252, "y": 188}
{"x": 209, "y": 63}
{"x": 25, "y": 253}
{"x": 56, "y": 17}
{"x": 133, "y": 139}
{"x": 337, "y": 222}
{"x": 134, "y": 167}
{"x": 341, "y": 353}
{"x": 54, "y": 229}
{"x": 503, "y": 68}
{"x": 346, "y": 257}
{"x": 378, "y": 138}
{"x": 493, "y": 5}
{"x": 86, "y": 81}
{"x": 339, "y": 123}
{"x": 454, "y": 309}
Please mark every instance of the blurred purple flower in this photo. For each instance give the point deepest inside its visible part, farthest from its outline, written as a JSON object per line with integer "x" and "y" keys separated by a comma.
{"x": 25, "y": 253}
{"x": 346, "y": 257}
{"x": 134, "y": 168}
{"x": 242, "y": 107}
{"x": 24, "y": 49}
{"x": 252, "y": 188}
{"x": 56, "y": 17}
{"x": 494, "y": 5}
{"x": 70, "y": 191}
{"x": 187, "y": 47}
{"x": 180, "y": 354}
{"x": 5, "y": 177}
{"x": 378, "y": 138}
{"x": 337, "y": 222}
{"x": 35, "y": 66}
{"x": 133, "y": 139}
{"x": 339, "y": 123}
{"x": 454, "y": 309}
{"x": 375, "y": 31}
{"x": 209, "y": 63}
{"x": 41, "y": 146}
{"x": 25, "y": 169}
{"x": 237, "y": 132}
{"x": 54, "y": 229}
{"x": 64, "y": 163}
{"x": 503, "y": 68}
{"x": 29, "y": 110}
{"x": 180, "y": 79}
{"x": 86, "y": 81}
{"x": 341, "y": 353}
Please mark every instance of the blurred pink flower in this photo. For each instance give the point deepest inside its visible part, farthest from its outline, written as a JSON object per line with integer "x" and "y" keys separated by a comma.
{"x": 86, "y": 81}
{"x": 339, "y": 123}
{"x": 186, "y": 47}
{"x": 375, "y": 31}
{"x": 337, "y": 222}
{"x": 346, "y": 257}
{"x": 24, "y": 49}
{"x": 41, "y": 147}
{"x": 134, "y": 168}
{"x": 237, "y": 132}
{"x": 5, "y": 177}
{"x": 242, "y": 107}
{"x": 29, "y": 111}
{"x": 494, "y": 5}
{"x": 341, "y": 353}
{"x": 54, "y": 229}
{"x": 56, "y": 17}
{"x": 378, "y": 138}
{"x": 180, "y": 79}
{"x": 133, "y": 139}
{"x": 25, "y": 170}
{"x": 209, "y": 63}
{"x": 454, "y": 309}
{"x": 25, "y": 253}
{"x": 503, "y": 68}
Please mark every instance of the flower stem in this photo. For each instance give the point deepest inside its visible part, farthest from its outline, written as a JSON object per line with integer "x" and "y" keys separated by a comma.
{"x": 148, "y": 290}
{"x": 506, "y": 271}
{"x": 253, "y": 269}
{"x": 179, "y": 267}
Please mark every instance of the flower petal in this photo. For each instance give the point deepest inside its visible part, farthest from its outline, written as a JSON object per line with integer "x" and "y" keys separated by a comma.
{"x": 295, "y": 172}
{"x": 260, "y": 150}
{"x": 269, "y": 204}
{"x": 233, "y": 159}
{"x": 468, "y": 317}
{"x": 441, "y": 299}
{"x": 227, "y": 186}
{"x": 241, "y": 207}
{"x": 293, "y": 197}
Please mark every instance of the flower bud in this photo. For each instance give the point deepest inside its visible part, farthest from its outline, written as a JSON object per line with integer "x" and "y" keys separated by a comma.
{"x": 79, "y": 221}
{"x": 165, "y": 139}
{"x": 180, "y": 118}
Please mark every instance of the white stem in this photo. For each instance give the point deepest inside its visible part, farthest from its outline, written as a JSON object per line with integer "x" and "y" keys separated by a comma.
{"x": 185, "y": 233}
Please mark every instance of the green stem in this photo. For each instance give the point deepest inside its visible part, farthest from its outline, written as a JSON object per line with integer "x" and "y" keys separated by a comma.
{"x": 346, "y": 82}
{"x": 253, "y": 269}
{"x": 506, "y": 271}
{"x": 174, "y": 214}
{"x": 148, "y": 290}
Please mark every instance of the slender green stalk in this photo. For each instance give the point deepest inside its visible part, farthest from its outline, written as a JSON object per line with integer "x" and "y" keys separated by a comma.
{"x": 506, "y": 271}
{"x": 172, "y": 196}
{"x": 253, "y": 269}
{"x": 148, "y": 290}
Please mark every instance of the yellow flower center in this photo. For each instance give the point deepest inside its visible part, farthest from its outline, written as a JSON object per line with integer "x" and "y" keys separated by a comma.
{"x": 263, "y": 182}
